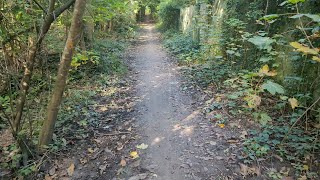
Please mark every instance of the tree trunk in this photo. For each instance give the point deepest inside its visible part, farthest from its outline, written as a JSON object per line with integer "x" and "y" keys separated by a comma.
{"x": 196, "y": 30}
{"x": 35, "y": 46}
{"x": 53, "y": 107}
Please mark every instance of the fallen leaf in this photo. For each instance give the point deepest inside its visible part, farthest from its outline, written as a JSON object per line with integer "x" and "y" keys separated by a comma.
{"x": 103, "y": 168}
{"x": 142, "y": 146}
{"x": 293, "y": 102}
{"x": 97, "y": 141}
{"x": 246, "y": 170}
{"x": 221, "y": 125}
{"x": 123, "y": 162}
{"x": 244, "y": 134}
{"x": 70, "y": 170}
{"x": 233, "y": 141}
{"x": 134, "y": 154}
{"x": 90, "y": 150}
{"x": 52, "y": 171}
{"x": 47, "y": 177}
{"x": 120, "y": 146}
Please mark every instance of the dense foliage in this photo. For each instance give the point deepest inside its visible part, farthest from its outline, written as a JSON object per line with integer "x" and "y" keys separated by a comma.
{"x": 266, "y": 61}
{"x": 32, "y": 37}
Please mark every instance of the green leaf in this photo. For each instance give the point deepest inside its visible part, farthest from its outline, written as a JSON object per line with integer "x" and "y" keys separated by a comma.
{"x": 297, "y": 16}
{"x": 264, "y": 119}
{"x": 273, "y": 88}
{"x": 314, "y": 17}
{"x": 265, "y": 59}
{"x": 295, "y": 1}
{"x": 262, "y": 43}
{"x": 230, "y": 52}
{"x": 269, "y": 17}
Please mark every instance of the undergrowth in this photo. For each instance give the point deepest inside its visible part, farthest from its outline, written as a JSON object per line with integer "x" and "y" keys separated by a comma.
{"x": 91, "y": 71}
{"x": 286, "y": 131}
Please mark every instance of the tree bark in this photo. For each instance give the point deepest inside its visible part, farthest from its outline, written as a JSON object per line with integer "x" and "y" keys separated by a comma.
{"x": 35, "y": 46}
{"x": 53, "y": 107}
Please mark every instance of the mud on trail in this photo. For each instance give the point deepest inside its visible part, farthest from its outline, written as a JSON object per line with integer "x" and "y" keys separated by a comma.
{"x": 157, "y": 130}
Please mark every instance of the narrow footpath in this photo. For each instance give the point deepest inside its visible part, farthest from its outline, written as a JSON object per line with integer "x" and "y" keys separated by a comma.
{"x": 168, "y": 120}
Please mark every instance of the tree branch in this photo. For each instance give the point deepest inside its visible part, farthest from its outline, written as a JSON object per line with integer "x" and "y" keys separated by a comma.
{"x": 60, "y": 10}
{"x": 53, "y": 16}
{"x": 39, "y": 5}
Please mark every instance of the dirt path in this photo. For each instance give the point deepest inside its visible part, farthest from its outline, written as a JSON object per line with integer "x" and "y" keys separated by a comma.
{"x": 164, "y": 109}
{"x": 167, "y": 120}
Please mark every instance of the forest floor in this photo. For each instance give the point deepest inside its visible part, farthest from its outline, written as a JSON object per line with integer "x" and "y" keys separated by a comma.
{"x": 154, "y": 127}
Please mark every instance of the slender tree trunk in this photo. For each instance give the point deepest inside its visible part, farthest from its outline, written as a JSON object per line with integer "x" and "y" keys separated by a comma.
{"x": 196, "y": 30}
{"x": 53, "y": 107}
{"x": 35, "y": 46}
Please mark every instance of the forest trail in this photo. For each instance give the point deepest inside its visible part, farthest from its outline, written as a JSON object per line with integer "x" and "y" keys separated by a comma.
{"x": 164, "y": 109}
{"x": 167, "y": 120}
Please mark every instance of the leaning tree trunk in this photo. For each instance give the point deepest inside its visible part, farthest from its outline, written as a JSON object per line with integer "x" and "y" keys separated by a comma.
{"x": 34, "y": 48}
{"x": 53, "y": 107}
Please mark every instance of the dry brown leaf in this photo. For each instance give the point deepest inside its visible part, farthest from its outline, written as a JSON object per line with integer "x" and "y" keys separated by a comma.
{"x": 123, "y": 162}
{"x": 47, "y": 177}
{"x": 233, "y": 141}
{"x": 70, "y": 170}
{"x": 97, "y": 141}
{"x": 246, "y": 170}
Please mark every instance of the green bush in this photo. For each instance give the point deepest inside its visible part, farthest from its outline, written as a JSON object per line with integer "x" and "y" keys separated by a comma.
{"x": 169, "y": 16}
{"x": 180, "y": 44}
